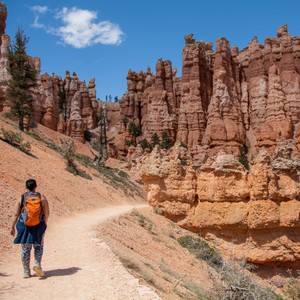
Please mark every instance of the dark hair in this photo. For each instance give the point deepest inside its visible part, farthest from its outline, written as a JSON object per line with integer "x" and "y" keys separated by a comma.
{"x": 30, "y": 184}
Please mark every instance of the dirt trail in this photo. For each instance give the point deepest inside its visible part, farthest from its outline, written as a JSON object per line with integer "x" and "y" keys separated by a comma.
{"x": 77, "y": 265}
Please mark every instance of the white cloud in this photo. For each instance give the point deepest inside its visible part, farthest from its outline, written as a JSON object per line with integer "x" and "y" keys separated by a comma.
{"x": 81, "y": 30}
{"x": 39, "y": 9}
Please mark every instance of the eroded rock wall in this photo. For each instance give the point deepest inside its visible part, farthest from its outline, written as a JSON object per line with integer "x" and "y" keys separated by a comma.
{"x": 251, "y": 215}
{"x": 225, "y": 99}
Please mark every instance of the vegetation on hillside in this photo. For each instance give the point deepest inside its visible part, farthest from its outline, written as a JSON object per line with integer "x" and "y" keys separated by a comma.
{"x": 16, "y": 140}
{"x": 231, "y": 280}
{"x": 118, "y": 179}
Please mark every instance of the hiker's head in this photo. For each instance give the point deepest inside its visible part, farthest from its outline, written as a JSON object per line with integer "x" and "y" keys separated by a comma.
{"x": 30, "y": 184}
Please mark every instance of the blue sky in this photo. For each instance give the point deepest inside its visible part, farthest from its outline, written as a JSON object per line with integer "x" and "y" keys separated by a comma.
{"x": 103, "y": 39}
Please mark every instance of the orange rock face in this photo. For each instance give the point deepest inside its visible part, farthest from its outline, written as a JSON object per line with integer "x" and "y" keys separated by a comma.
{"x": 252, "y": 215}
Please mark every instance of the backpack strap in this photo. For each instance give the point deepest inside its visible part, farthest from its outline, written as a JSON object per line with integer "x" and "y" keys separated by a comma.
{"x": 22, "y": 202}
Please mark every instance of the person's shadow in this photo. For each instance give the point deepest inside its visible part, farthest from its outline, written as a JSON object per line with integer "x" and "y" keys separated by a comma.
{"x": 60, "y": 272}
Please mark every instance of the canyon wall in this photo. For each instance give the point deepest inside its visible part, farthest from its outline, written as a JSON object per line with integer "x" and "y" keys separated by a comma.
{"x": 236, "y": 181}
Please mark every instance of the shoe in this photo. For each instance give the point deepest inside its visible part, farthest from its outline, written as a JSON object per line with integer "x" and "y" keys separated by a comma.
{"x": 26, "y": 274}
{"x": 38, "y": 271}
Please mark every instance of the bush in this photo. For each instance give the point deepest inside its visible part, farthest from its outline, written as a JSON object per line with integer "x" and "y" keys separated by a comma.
{"x": 68, "y": 148}
{"x": 236, "y": 285}
{"x": 13, "y": 138}
{"x": 88, "y": 135}
{"x": 166, "y": 142}
{"x": 201, "y": 250}
{"x": 16, "y": 140}
{"x": 182, "y": 144}
{"x": 155, "y": 140}
{"x": 145, "y": 144}
{"x": 292, "y": 289}
{"x": 118, "y": 179}
{"x": 68, "y": 152}
{"x": 158, "y": 211}
{"x": 130, "y": 143}
{"x": 243, "y": 159}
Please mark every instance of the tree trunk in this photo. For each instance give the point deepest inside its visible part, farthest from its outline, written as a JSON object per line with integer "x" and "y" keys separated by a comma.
{"x": 21, "y": 122}
{"x": 105, "y": 156}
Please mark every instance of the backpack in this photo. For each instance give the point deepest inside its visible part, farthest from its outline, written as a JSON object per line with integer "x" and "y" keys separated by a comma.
{"x": 31, "y": 208}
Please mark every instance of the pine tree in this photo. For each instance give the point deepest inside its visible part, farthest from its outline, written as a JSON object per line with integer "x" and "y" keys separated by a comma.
{"x": 145, "y": 144}
{"x": 23, "y": 77}
{"x": 135, "y": 131}
{"x": 102, "y": 117}
{"x": 166, "y": 142}
{"x": 155, "y": 140}
{"x": 62, "y": 101}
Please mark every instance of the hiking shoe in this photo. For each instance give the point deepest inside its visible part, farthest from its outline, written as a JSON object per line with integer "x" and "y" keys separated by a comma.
{"x": 26, "y": 274}
{"x": 38, "y": 271}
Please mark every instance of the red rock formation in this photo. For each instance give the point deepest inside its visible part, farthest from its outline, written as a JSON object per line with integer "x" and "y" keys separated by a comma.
{"x": 151, "y": 102}
{"x": 277, "y": 125}
{"x": 196, "y": 90}
{"x": 160, "y": 103}
{"x": 224, "y": 100}
{"x": 3, "y": 16}
{"x": 254, "y": 216}
{"x": 254, "y": 103}
{"x": 170, "y": 185}
{"x": 224, "y": 122}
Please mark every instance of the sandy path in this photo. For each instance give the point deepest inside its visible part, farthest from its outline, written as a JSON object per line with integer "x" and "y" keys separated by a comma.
{"x": 77, "y": 265}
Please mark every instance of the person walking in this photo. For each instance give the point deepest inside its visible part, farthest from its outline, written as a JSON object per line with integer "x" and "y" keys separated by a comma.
{"x": 30, "y": 219}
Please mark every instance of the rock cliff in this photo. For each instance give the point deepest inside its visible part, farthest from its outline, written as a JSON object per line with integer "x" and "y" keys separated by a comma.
{"x": 251, "y": 215}
{"x": 237, "y": 181}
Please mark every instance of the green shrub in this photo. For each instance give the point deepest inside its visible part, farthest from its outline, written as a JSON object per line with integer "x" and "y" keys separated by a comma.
{"x": 158, "y": 210}
{"x": 182, "y": 144}
{"x": 35, "y": 136}
{"x": 130, "y": 143}
{"x": 10, "y": 115}
{"x": 243, "y": 159}
{"x": 68, "y": 152}
{"x": 13, "y": 138}
{"x": 292, "y": 289}
{"x": 142, "y": 220}
{"x": 236, "y": 285}
{"x": 88, "y": 135}
{"x": 128, "y": 263}
{"x": 145, "y": 144}
{"x": 16, "y": 140}
{"x": 155, "y": 140}
{"x": 201, "y": 250}
{"x": 166, "y": 142}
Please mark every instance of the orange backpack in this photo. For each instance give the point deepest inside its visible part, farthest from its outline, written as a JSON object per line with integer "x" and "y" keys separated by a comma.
{"x": 31, "y": 208}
